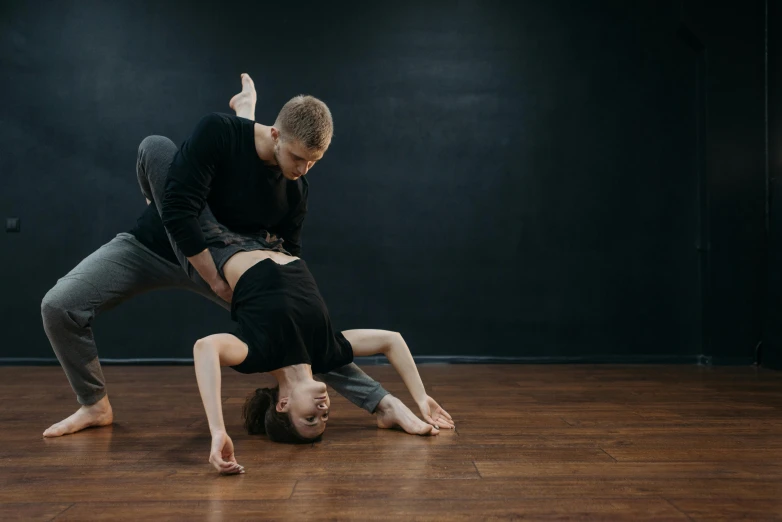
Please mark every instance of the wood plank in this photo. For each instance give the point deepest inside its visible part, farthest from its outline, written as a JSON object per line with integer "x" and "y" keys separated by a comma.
{"x": 358, "y": 508}
{"x": 538, "y": 488}
{"x": 32, "y": 512}
{"x": 617, "y": 470}
{"x": 729, "y": 509}
{"x": 380, "y": 469}
{"x": 139, "y": 487}
{"x": 696, "y": 454}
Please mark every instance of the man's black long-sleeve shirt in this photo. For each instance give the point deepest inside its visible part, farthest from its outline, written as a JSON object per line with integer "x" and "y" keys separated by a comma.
{"x": 219, "y": 166}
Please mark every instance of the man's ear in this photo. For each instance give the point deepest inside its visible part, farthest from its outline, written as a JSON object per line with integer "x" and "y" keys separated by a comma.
{"x": 282, "y": 405}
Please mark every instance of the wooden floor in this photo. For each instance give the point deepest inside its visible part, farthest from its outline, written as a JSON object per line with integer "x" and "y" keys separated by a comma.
{"x": 532, "y": 442}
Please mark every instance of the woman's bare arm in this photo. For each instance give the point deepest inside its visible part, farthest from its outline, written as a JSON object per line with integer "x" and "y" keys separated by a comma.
{"x": 394, "y": 347}
{"x": 209, "y": 354}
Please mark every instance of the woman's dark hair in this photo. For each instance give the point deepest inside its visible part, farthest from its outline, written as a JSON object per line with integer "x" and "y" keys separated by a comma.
{"x": 260, "y": 416}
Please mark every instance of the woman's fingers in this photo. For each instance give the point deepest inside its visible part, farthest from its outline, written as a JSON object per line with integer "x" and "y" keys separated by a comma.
{"x": 441, "y": 411}
{"x": 439, "y": 421}
{"x": 230, "y": 465}
{"x": 233, "y": 470}
{"x": 445, "y": 422}
{"x": 230, "y": 468}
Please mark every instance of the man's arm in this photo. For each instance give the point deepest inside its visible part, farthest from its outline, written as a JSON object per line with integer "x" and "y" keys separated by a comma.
{"x": 187, "y": 187}
{"x": 290, "y": 229}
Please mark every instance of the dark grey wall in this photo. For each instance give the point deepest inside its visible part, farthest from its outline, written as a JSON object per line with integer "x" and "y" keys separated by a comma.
{"x": 772, "y": 345}
{"x": 733, "y": 35}
{"x": 521, "y": 180}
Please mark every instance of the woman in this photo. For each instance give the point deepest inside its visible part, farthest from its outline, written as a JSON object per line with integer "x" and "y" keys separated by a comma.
{"x": 284, "y": 329}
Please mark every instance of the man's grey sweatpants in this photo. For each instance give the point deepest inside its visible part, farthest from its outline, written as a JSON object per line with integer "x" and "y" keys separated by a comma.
{"x": 123, "y": 268}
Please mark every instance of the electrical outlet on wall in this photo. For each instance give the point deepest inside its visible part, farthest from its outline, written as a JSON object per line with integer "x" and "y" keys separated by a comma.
{"x": 13, "y": 225}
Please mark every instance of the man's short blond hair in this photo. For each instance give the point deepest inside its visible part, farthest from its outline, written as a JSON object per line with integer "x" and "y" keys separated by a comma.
{"x": 308, "y": 120}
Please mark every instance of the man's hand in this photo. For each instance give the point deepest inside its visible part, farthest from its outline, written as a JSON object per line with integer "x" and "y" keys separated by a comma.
{"x": 206, "y": 268}
{"x": 222, "y": 455}
{"x": 434, "y": 414}
{"x": 222, "y": 289}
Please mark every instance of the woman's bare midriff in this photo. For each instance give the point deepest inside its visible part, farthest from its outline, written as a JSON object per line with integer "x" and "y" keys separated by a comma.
{"x": 240, "y": 262}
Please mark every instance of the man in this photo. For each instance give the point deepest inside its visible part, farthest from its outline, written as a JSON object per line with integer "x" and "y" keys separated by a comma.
{"x": 243, "y": 192}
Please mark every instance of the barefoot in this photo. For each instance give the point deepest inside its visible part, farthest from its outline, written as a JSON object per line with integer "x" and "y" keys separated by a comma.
{"x": 98, "y": 414}
{"x": 244, "y": 102}
{"x": 392, "y": 413}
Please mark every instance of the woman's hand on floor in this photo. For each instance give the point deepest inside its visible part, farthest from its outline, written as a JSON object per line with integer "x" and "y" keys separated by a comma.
{"x": 434, "y": 414}
{"x": 222, "y": 455}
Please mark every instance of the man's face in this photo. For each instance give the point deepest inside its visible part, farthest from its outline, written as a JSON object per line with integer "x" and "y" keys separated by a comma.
{"x": 293, "y": 159}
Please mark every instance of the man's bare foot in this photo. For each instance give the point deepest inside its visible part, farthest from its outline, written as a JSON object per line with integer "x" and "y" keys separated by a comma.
{"x": 98, "y": 414}
{"x": 392, "y": 413}
{"x": 244, "y": 102}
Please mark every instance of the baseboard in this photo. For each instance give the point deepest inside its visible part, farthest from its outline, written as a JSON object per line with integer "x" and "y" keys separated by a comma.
{"x": 588, "y": 359}
{"x": 441, "y": 359}
{"x": 730, "y": 361}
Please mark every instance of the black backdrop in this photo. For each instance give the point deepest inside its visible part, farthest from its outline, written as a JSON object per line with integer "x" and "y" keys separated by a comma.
{"x": 575, "y": 181}
{"x": 771, "y": 354}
